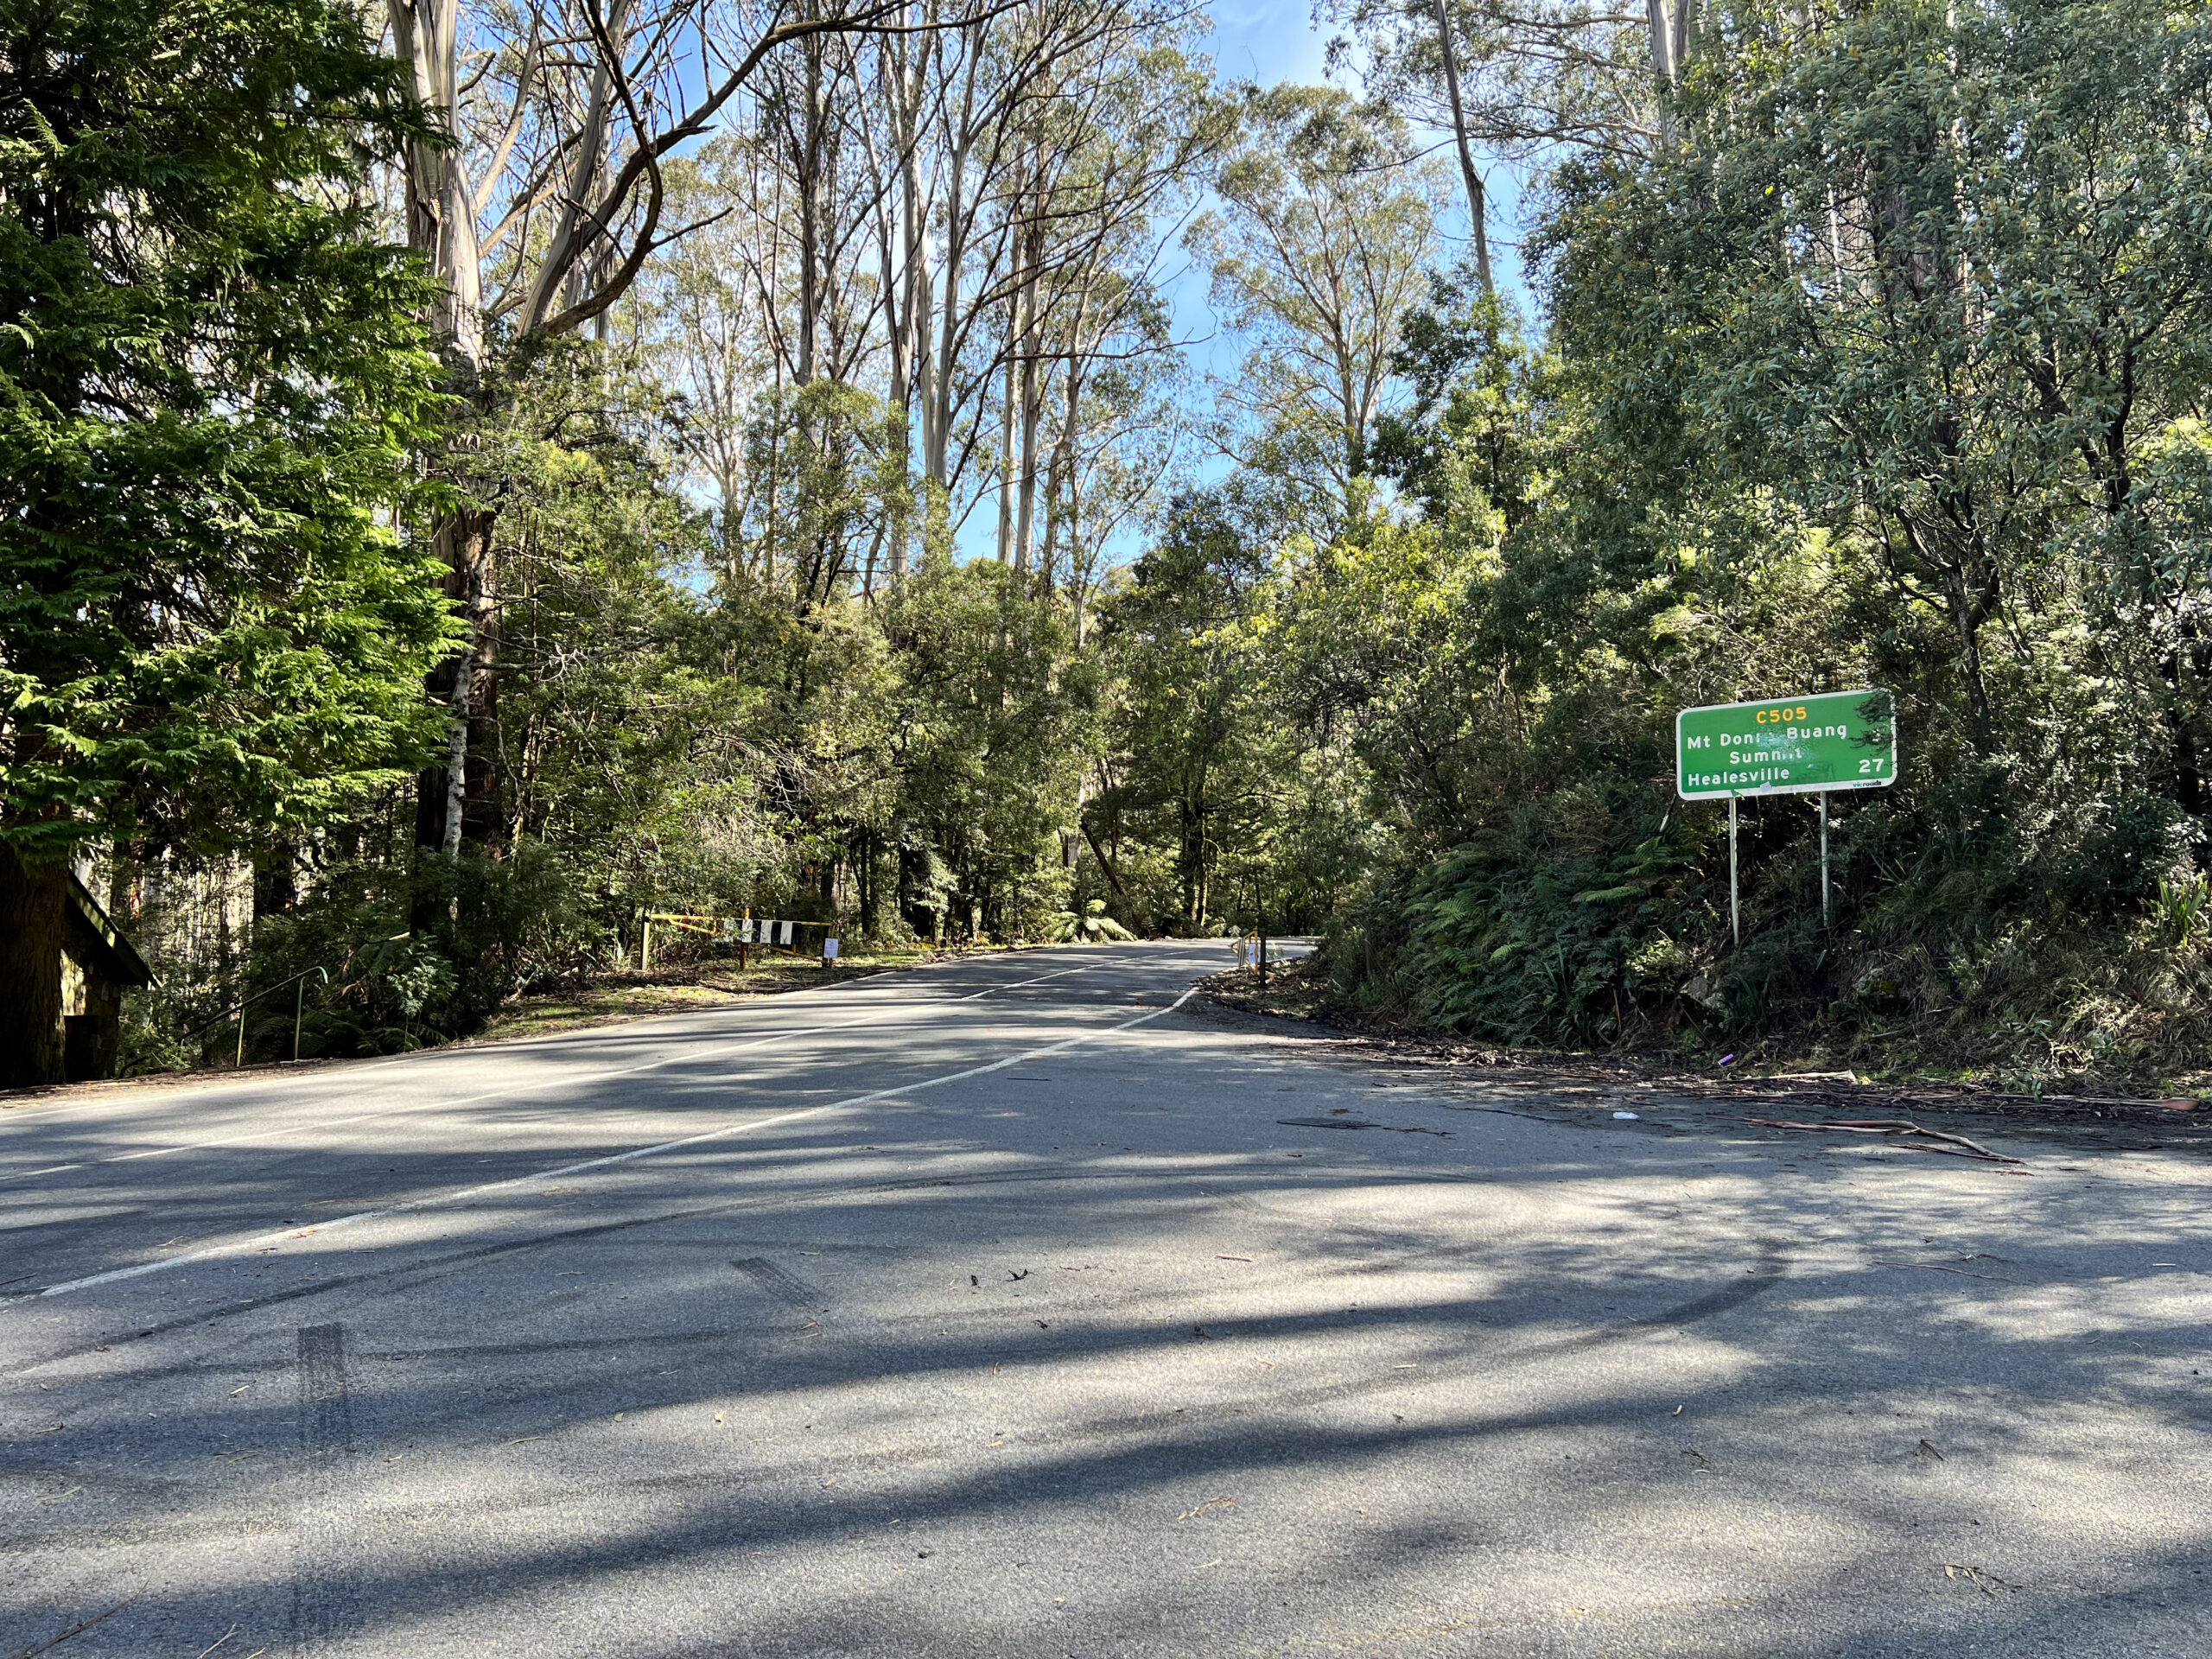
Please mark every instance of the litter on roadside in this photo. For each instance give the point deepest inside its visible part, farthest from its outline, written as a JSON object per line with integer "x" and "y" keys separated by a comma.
{"x": 1624, "y": 1117}
{"x": 1958, "y": 1146}
{"x": 1355, "y": 1123}
{"x": 1988, "y": 1583}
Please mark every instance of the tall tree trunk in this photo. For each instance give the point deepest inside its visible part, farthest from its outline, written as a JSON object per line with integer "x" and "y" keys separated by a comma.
{"x": 1674, "y": 35}
{"x": 919, "y": 292}
{"x": 1478, "y": 199}
{"x": 573, "y": 224}
{"x": 900, "y": 239}
{"x": 1008, "y": 418}
{"x": 1032, "y": 394}
{"x": 808, "y": 160}
{"x": 441, "y": 226}
{"x": 937, "y": 437}
{"x": 464, "y": 685}
{"x": 1191, "y": 814}
{"x": 1048, "y": 566}
{"x": 1060, "y": 488}
{"x": 441, "y": 205}
{"x": 32, "y": 897}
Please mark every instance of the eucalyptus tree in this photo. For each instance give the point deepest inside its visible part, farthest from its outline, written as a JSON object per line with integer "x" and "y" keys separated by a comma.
{"x": 1022, "y": 163}
{"x": 1521, "y": 81}
{"x": 1324, "y": 242}
{"x": 1120, "y": 151}
{"x": 962, "y": 222}
{"x": 699, "y": 329}
{"x": 536, "y": 193}
{"x": 1894, "y": 283}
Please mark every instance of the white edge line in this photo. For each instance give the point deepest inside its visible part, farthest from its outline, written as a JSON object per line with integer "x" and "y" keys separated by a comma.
{"x": 873, "y": 1017}
{"x": 265, "y": 1239}
{"x": 158, "y": 1088}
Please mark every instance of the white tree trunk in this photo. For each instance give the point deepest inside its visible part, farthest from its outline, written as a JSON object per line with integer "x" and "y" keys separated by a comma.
{"x": 441, "y": 205}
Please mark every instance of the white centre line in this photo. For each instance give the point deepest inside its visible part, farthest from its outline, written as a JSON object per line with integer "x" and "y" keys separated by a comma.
{"x": 872, "y": 1018}
{"x": 266, "y": 1239}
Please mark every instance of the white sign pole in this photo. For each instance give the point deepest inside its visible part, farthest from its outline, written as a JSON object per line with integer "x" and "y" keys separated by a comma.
{"x": 1735, "y": 917}
{"x": 1824, "y": 857}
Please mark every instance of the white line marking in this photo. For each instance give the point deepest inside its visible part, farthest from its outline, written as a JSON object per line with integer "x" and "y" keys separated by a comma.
{"x": 873, "y": 1018}
{"x": 265, "y": 1239}
{"x": 200, "y": 1086}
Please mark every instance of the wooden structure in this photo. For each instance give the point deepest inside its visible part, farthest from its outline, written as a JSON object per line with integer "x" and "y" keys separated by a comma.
{"x": 96, "y": 965}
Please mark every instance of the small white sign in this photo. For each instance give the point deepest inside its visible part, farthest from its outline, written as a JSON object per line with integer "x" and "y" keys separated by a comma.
{"x": 828, "y": 950}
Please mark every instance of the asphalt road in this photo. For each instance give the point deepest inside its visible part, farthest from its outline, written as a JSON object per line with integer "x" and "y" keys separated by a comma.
{"x": 996, "y": 1310}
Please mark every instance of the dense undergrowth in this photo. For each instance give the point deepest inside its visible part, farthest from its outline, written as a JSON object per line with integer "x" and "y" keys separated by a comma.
{"x": 1618, "y": 937}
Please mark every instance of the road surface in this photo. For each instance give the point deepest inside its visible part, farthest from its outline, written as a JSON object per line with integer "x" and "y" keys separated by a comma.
{"x": 1022, "y": 1308}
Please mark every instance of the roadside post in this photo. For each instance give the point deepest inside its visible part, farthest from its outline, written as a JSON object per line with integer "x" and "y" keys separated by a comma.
{"x": 299, "y": 1009}
{"x": 1807, "y": 745}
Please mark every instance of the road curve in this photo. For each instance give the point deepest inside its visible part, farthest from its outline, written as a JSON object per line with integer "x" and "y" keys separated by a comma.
{"x": 1023, "y": 1307}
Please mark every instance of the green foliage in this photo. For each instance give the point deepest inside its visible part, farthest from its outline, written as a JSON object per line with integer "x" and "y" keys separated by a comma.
{"x": 992, "y": 721}
{"x": 1199, "y": 768}
{"x": 1885, "y": 363}
{"x": 1324, "y": 241}
{"x": 209, "y": 381}
{"x": 1093, "y": 926}
{"x": 1869, "y": 380}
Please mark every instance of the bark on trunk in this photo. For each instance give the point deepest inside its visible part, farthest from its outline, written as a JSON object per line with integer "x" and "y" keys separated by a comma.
{"x": 1031, "y": 396}
{"x": 574, "y": 230}
{"x": 32, "y": 915}
{"x": 938, "y": 403}
{"x": 809, "y": 160}
{"x": 1478, "y": 197}
{"x": 1193, "y": 814}
{"x": 1664, "y": 68}
{"x": 441, "y": 204}
{"x": 455, "y": 797}
{"x": 1007, "y": 420}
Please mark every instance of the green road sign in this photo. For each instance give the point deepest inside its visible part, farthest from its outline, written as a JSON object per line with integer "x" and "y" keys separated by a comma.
{"x": 1790, "y": 746}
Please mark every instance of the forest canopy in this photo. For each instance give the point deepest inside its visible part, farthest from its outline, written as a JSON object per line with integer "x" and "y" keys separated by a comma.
{"x": 484, "y": 476}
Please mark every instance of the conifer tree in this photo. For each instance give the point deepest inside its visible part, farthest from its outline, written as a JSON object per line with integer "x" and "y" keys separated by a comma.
{"x": 210, "y": 381}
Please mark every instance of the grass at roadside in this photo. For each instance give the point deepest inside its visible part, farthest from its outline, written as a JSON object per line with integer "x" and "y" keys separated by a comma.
{"x": 683, "y": 987}
{"x": 680, "y": 987}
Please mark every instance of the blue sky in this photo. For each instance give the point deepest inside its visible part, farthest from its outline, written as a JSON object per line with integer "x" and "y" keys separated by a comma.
{"x": 1268, "y": 41}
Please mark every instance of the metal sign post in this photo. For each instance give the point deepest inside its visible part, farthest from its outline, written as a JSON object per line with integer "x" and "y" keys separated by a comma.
{"x": 1824, "y": 858}
{"x": 1787, "y": 746}
{"x": 1735, "y": 915}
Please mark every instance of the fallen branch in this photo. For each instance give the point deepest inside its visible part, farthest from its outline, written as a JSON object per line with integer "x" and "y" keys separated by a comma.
{"x": 1893, "y": 1126}
{"x": 36, "y": 1647}
{"x": 1988, "y": 1583}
